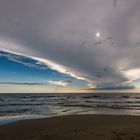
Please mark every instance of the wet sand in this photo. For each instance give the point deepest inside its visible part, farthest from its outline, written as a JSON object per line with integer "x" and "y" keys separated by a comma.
{"x": 75, "y": 127}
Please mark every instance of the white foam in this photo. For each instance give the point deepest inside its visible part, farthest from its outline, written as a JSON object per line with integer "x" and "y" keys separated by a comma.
{"x": 9, "y": 119}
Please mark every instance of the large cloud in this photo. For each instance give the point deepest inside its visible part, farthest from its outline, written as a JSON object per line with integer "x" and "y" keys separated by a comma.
{"x": 65, "y": 31}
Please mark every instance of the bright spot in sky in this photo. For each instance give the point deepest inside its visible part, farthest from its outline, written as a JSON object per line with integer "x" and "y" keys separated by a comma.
{"x": 98, "y": 34}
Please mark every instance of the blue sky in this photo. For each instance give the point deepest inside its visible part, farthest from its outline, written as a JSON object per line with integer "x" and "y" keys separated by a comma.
{"x": 18, "y": 70}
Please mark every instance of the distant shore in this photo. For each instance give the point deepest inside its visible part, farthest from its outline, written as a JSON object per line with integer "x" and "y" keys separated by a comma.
{"x": 74, "y": 127}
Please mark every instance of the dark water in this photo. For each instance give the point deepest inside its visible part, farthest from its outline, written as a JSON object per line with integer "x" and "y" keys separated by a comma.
{"x": 21, "y": 106}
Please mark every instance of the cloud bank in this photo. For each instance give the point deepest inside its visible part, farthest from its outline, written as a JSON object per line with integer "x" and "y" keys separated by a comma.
{"x": 65, "y": 33}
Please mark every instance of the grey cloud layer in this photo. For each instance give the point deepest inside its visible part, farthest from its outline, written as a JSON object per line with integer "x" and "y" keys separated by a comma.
{"x": 64, "y": 31}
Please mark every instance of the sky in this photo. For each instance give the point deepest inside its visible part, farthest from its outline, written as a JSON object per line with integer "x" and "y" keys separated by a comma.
{"x": 69, "y": 46}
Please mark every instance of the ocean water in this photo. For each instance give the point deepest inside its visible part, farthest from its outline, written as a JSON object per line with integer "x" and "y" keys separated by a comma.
{"x": 15, "y": 107}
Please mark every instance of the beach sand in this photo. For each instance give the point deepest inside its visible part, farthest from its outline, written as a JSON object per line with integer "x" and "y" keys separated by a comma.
{"x": 75, "y": 127}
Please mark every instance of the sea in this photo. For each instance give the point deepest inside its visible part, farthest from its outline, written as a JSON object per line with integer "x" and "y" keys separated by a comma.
{"x": 15, "y": 107}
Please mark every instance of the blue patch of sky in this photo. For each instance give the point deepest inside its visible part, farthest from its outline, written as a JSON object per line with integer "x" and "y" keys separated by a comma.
{"x": 136, "y": 82}
{"x": 13, "y": 71}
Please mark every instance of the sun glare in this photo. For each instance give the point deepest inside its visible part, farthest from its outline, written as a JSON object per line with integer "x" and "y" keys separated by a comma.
{"x": 98, "y": 34}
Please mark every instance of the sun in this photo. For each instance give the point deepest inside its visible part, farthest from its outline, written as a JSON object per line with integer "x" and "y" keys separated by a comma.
{"x": 98, "y": 34}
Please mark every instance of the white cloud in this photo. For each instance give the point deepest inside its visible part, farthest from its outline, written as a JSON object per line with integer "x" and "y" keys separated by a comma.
{"x": 59, "y": 68}
{"x": 133, "y": 74}
{"x": 62, "y": 83}
{"x": 91, "y": 85}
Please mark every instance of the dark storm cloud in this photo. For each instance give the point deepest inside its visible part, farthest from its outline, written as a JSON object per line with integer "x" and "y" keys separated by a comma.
{"x": 64, "y": 31}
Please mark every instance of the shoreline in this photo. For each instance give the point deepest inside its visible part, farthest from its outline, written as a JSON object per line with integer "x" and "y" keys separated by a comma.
{"x": 5, "y": 120}
{"x": 74, "y": 127}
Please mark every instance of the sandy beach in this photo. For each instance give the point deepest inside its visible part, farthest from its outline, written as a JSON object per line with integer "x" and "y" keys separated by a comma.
{"x": 75, "y": 127}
